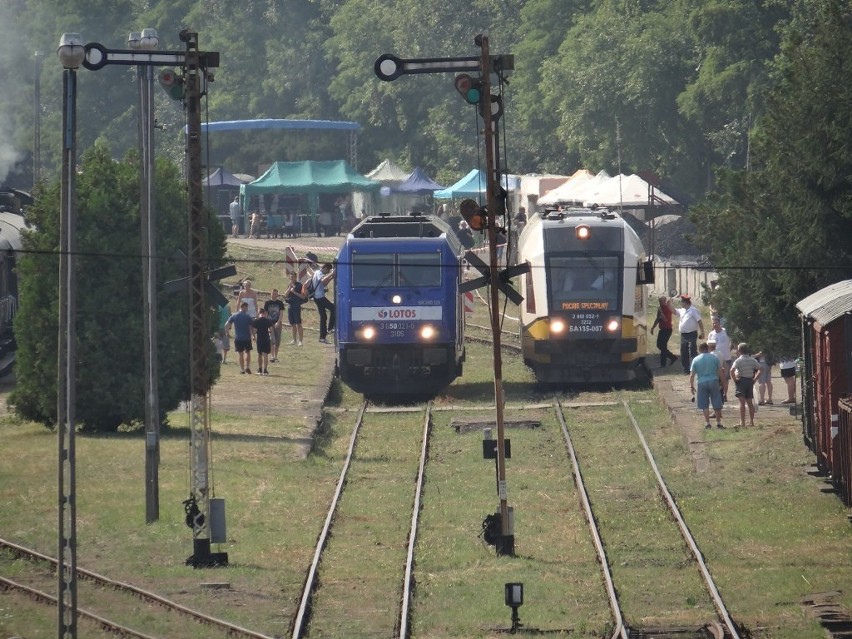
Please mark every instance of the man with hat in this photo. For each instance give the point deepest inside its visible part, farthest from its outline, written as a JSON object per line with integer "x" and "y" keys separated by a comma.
{"x": 691, "y": 330}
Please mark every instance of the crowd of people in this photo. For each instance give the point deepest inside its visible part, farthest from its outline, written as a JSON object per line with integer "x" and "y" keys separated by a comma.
{"x": 260, "y": 328}
{"x": 714, "y": 363}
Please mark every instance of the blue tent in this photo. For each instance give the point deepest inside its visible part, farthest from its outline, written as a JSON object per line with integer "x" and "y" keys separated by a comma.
{"x": 418, "y": 183}
{"x": 473, "y": 185}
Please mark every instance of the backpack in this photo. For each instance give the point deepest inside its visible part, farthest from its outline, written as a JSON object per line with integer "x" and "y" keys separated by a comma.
{"x": 309, "y": 289}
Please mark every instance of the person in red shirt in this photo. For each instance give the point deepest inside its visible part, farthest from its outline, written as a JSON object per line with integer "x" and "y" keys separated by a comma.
{"x": 664, "y": 322}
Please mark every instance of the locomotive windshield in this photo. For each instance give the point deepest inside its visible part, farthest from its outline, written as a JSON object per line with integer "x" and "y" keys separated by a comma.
{"x": 584, "y": 278}
{"x": 377, "y": 270}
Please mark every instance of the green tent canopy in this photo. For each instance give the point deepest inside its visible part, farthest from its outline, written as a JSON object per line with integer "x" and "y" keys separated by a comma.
{"x": 310, "y": 178}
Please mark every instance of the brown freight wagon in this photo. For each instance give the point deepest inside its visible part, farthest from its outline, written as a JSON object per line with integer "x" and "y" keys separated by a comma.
{"x": 827, "y": 380}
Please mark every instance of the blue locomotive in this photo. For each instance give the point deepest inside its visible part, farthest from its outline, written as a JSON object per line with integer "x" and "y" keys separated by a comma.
{"x": 400, "y": 316}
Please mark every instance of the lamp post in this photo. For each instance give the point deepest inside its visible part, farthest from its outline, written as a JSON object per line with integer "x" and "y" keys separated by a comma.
{"x": 148, "y": 40}
{"x": 71, "y": 54}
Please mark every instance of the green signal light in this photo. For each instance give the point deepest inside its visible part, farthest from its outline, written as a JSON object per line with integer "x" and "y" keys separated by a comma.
{"x": 469, "y": 88}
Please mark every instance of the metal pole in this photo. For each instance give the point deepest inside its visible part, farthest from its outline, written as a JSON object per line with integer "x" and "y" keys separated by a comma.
{"x": 506, "y": 546}
{"x": 199, "y": 314}
{"x": 66, "y": 384}
{"x": 145, "y": 74}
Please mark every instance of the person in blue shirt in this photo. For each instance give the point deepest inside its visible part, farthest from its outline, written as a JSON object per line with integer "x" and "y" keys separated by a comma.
{"x": 707, "y": 370}
{"x": 242, "y": 323}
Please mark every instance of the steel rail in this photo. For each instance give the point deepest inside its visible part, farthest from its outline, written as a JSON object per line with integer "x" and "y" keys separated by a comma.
{"x": 620, "y": 630}
{"x": 140, "y": 593}
{"x": 43, "y": 597}
{"x": 299, "y": 623}
{"x": 721, "y": 609}
{"x": 408, "y": 583}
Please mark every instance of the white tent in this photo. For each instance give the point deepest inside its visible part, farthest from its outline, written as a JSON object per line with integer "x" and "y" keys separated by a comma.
{"x": 626, "y": 190}
{"x": 566, "y": 191}
{"x": 620, "y": 190}
{"x": 388, "y": 173}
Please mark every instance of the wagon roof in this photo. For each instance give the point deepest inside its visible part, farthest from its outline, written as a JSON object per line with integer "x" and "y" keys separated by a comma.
{"x": 829, "y": 303}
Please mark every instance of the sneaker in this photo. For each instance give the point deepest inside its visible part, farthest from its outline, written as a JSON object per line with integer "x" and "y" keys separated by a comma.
{"x": 719, "y": 425}
{"x": 323, "y": 340}
{"x": 673, "y": 359}
{"x": 266, "y": 372}
{"x": 273, "y": 359}
{"x": 300, "y": 343}
{"x": 707, "y": 426}
{"x": 247, "y": 371}
{"x": 292, "y": 342}
{"x": 242, "y": 371}
{"x": 260, "y": 371}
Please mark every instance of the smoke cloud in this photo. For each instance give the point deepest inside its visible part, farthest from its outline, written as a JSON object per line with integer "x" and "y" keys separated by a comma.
{"x": 11, "y": 45}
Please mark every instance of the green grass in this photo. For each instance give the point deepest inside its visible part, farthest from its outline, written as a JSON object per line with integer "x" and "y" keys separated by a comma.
{"x": 768, "y": 533}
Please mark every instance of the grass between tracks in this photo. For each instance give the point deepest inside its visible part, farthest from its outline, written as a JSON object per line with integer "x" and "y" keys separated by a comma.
{"x": 767, "y": 532}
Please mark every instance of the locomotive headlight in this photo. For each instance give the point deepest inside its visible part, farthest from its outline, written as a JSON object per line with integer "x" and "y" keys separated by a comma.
{"x": 582, "y": 232}
{"x": 397, "y": 299}
{"x": 557, "y": 326}
{"x": 428, "y": 332}
{"x": 368, "y": 332}
{"x": 612, "y": 325}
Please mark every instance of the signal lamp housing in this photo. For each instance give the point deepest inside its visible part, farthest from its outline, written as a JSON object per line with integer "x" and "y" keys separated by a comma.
{"x": 470, "y": 88}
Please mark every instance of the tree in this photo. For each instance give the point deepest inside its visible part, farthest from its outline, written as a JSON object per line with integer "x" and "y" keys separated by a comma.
{"x": 781, "y": 232}
{"x": 109, "y": 297}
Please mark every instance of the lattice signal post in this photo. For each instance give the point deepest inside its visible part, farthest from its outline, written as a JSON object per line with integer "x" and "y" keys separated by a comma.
{"x": 95, "y": 56}
{"x": 477, "y": 91}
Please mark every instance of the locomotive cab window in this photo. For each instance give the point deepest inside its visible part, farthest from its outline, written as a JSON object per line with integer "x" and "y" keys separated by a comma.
{"x": 419, "y": 269}
{"x": 378, "y": 270}
{"x": 584, "y": 278}
{"x": 372, "y": 270}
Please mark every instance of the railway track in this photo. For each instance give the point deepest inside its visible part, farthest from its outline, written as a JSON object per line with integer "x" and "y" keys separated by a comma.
{"x": 105, "y": 596}
{"x": 380, "y": 462}
{"x": 721, "y": 628}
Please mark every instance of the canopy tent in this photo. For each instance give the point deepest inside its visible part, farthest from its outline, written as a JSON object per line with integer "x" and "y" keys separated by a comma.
{"x": 222, "y": 177}
{"x": 619, "y": 190}
{"x": 310, "y": 178}
{"x": 418, "y": 183}
{"x": 388, "y": 173}
{"x": 473, "y": 185}
{"x": 568, "y": 190}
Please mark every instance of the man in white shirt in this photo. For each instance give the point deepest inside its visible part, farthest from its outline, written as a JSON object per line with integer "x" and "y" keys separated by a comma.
{"x": 691, "y": 330}
{"x": 723, "y": 351}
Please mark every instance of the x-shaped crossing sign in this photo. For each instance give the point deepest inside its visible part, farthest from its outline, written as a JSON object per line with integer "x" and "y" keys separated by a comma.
{"x": 503, "y": 277}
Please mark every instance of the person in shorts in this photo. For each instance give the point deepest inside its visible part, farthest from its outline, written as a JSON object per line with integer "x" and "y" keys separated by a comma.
{"x": 263, "y": 328}
{"x": 744, "y": 371}
{"x": 241, "y": 322}
{"x": 787, "y": 365}
{"x": 295, "y": 298}
{"x": 707, "y": 370}
{"x": 764, "y": 380}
